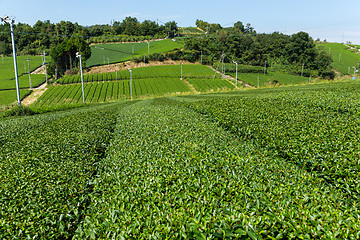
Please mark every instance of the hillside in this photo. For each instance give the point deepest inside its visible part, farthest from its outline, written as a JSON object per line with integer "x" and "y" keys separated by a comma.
{"x": 344, "y": 58}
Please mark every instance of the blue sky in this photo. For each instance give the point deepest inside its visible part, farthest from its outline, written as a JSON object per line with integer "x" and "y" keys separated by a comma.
{"x": 325, "y": 19}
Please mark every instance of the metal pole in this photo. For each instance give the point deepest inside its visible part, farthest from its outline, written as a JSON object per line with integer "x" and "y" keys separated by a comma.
{"x": 82, "y": 78}
{"x": 148, "y": 48}
{"x": 45, "y": 69}
{"x": 258, "y": 81}
{"x": 354, "y": 71}
{"x": 28, "y": 60}
{"x": 340, "y": 57}
{"x": 56, "y": 70}
{"x": 236, "y": 64}
{"x": 181, "y": 71}
{"x": 11, "y": 22}
{"x": 130, "y": 84}
{"x": 302, "y": 69}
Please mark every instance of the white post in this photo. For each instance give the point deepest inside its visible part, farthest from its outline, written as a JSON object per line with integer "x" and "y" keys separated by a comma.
{"x": 181, "y": 71}
{"x": 236, "y": 64}
{"x": 354, "y": 71}
{"x": 82, "y": 79}
{"x": 56, "y": 71}
{"x": 258, "y": 81}
{"x": 11, "y": 22}
{"x": 302, "y": 69}
{"x": 340, "y": 57}
{"x": 45, "y": 69}
{"x": 28, "y": 60}
{"x": 148, "y": 47}
{"x": 130, "y": 83}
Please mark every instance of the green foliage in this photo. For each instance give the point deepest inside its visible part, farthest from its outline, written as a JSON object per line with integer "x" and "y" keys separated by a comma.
{"x": 260, "y": 49}
{"x": 47, "y": 162}
{"x": 9, "y": 97}
{"x": 64, "y": 54}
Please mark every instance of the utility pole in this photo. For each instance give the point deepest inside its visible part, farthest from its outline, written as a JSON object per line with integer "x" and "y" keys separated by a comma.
{"x": 236, "y": 73}
{"x": 354, "y": 72}
{"x": 181, "y": 71}
{"x": 302, "y": 69}
{"x": 148, "y": 47}
{"x": 28, "y": 60}
{"x": 11, "y": 22}
{"x": 82, "y": 78}
{"x": 45, "y": 68}
{"x": 56, "y": 72}
{"x": 130, "y": 83}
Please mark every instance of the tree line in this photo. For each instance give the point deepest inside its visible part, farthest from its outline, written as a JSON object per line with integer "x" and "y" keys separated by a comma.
{"x": 44, "y": 35}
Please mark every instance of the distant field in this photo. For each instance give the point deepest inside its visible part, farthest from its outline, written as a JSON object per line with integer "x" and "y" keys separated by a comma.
{"x": 36, "y": 80}
{"x": 171, "y": 71}
{"x": 7, "y": 77}
{"x": 270, "y": 79}
{"x": 8, "y": 97}
{"x": 190, "y": 30}
{"x": 347, "y": 57}
{"x": 119, "y": 52}
{"x": 7, "y": 67}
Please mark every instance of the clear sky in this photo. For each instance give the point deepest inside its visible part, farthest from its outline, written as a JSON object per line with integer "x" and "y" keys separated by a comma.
{"x": 333, "y": 20}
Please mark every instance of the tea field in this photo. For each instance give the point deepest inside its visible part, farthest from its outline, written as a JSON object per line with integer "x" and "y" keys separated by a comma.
{"x": 153, "y": 81}
{"x": 272, "y": 163}
{"x": 120, "y": 52}
{"x": 7, "y": 78}
{"x": 343, "y": 57}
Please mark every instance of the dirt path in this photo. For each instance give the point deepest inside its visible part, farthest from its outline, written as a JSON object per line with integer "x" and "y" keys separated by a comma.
{"x": 129, "y": 64}
{"x": 36, "y": 93}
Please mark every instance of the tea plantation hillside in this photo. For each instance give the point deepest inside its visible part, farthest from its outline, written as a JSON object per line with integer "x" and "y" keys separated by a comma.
{"x": 274, "y": 163}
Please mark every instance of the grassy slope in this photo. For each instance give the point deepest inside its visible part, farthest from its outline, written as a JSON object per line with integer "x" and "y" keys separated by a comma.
{"x": 123, "y": 51}
{"x": 347, "y": 59}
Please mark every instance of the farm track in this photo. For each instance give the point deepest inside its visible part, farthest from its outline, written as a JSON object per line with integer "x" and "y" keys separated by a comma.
{"x": 35, "y": 94}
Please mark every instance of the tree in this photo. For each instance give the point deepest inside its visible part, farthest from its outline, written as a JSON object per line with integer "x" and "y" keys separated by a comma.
{"x": 64, "y": 54}
{"x": 171, "y": 28}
